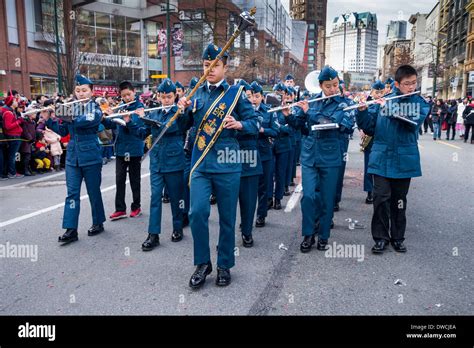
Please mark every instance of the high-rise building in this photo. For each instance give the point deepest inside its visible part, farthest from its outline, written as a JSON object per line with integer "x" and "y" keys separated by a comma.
{"x": 396, "y": 30}
{"x": 354, "y": 40}
{"x": 313, "y": 12}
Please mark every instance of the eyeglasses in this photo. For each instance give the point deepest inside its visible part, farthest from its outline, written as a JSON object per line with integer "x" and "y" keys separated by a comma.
{"x": 408, "y": 84}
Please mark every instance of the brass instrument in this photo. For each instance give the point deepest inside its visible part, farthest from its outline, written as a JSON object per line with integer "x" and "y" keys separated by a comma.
{"x": 364, "y": 142}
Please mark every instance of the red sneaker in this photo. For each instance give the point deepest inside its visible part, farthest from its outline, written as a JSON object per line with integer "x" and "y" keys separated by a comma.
{"x": 136, "y": 213}
{"x": 118, "y": 215}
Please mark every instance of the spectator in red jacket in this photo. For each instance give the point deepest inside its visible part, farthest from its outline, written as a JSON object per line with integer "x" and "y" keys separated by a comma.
{"x": 13, "y": 130}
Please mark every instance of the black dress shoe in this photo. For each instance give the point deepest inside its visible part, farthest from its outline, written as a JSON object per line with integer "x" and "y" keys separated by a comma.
{"x": 370, "y": 198}
{"x": 336, "y": 207}
{"x": 277, "y": 205}
{"x": 287, "y": 191}
{"x": 223, "y": 277}
{"x": 152, "y": 241}
{"x": 247, "y": 241}
{"x": 213, "y": 199}
{"x": 69, "y": 236}
{"x": 199, "y": 276}
{"x": 177, "y": 235}
{"x": 322, "y": 244}
{"x": 332, "y": 224}
{"x": 399, "y": 246}
{"x": 165, "y": 199}
{"x": 95, "y": 229}
{"x": 307, "y": 243}
{"x": 270, "y": 204}
{"x": 292, "y": 183}
{"x": 185, "y": 220}
{"x": 260, "y": 222}
{"x": 379, "y": 246}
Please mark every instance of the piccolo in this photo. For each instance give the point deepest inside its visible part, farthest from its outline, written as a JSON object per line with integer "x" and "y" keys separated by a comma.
{"x": 352, "y": 107}
{"x": 295, "y": 104}
{"x": 120, "y": 114}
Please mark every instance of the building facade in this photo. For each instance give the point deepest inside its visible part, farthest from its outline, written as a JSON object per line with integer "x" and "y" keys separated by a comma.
{"x": 396, "y": 30}
{"x": 314, "y": 13}
{"x": 453, "y": 19}
{"x": 425, "y": 57}
{"x": 469, "y": 63}
{"x": 395, "y": 54}
{"x": 354, "y": 42}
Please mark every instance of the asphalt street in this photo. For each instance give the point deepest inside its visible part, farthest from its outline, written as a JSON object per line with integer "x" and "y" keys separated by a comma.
{"x": 109, "y": 274}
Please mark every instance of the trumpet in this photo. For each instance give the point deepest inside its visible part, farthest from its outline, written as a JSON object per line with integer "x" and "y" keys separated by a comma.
{"x": 352, "y": 107}
{"x": 295, "y": 104}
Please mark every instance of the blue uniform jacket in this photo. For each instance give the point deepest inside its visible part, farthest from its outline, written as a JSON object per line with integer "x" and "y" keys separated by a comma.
{"x": 270, "y": 132}
{"x": 283, "y": 140}
{"x": 127, "y": 144}
{"x": 168, "y": 154}
{"x": 323, "y": 148}
{"x": 83, "y": 148}
{"x": 394, "y": 152}
{"x": 227, "y": 141}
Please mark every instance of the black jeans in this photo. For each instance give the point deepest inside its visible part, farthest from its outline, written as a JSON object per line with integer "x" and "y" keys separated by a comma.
{"x": 133, "y": 165}
{"x": 453, "y": 127}
{"x": 390, "y": 203}
{"x": 426, "y": 123}
{"x": 466, "y": 132}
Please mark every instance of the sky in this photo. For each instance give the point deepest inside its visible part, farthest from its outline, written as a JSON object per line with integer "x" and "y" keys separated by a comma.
{"x": 386, "y": 11}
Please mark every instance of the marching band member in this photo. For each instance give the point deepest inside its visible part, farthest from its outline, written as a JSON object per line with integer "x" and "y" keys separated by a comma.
{"x": 268, "y": 131}
{"x": 83, "y": 162}
{"x": 321, "y": 159}
{"x": 378, "y": 89}
{"x": 394, "y": 158}
{"x": 129, "y": 150}
{"x": 220, "y": 111}
{"x": 281, "y": 150}
{"x": 166, "y": 165}
{"x": 344, "y": 138}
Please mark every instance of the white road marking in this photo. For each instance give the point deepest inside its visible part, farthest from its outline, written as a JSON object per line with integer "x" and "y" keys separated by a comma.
{"x": 54, "y": 207}
{"x": 295, "y": 197}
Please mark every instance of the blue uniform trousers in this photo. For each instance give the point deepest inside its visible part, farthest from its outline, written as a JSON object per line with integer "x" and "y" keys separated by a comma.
{"x": 248, "y": 202}
{"x": 342, "y": 170}
{"x": 296, "y": 158}
{"x": 264, "y": 183}
{"x": 187, "y": 171}
{"x": 92, "y": 175}
{"x": 289, "y": 166}
{"x": 319, "y": 194}
{"x": 281, "y": 161}
{"x": 175, "y": 182}
{"x": 226, "y": 188}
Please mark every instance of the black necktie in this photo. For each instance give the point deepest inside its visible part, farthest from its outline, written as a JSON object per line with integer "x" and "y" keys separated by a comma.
{"x": 212, "y": 88}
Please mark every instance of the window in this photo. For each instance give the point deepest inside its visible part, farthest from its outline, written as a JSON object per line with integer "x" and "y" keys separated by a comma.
{"x": 311, "y": 50}
{"x": 196, "y": 35}
{"x": 44, "y": 16}
{"x": 42, "y": 85}
{"x": 12, "y": 22}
